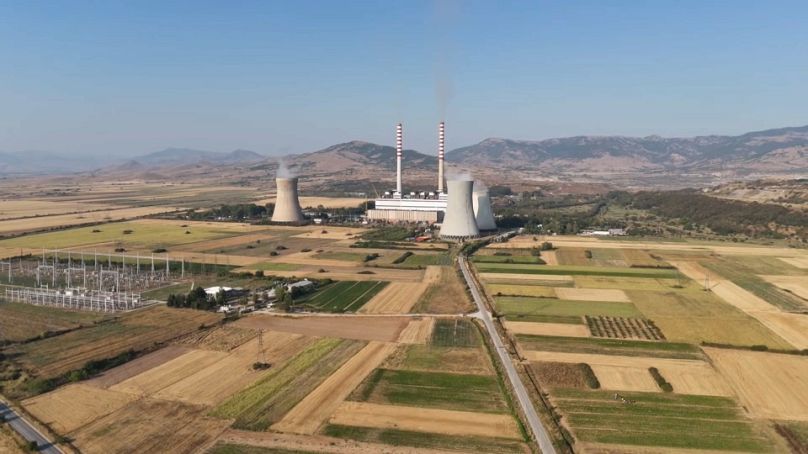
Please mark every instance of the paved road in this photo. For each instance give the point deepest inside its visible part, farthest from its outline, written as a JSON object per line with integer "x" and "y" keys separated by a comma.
{"x": 26, "y": 430}
{"x": 522, "y": 396}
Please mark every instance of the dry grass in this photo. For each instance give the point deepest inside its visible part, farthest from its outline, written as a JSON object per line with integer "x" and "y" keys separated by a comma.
{"x": 446, "y": 296}
{"x": 521, "y": 290}
{"x": 592, "y": 294}
{"x": 769, "y": 385}
{"x": 400, "y": 297}
{"x": 386, "y": 329}
{"x": 66, "y": 220}
{"x": 73, "y": 406}
{"x": 547, "y": 329}
{"x": 799, "y": 262}
{"x": 621, "y": 378}
{"x": 797, "y": 285}
{"x": 559, "y": 375}
{"x": 418, "y": 419}
{"x": 418, "y": 331}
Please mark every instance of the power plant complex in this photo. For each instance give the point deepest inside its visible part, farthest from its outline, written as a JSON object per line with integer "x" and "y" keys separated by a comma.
{"x": 463, "y": 212}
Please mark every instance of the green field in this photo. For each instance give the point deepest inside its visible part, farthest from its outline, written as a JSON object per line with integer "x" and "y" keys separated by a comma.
{"x": 343, "y": 256}
{"x": 635, "y": 283}
{"x": 146, "y": 235}
{"x": 274, "y": 266}
{"x": 608, "y": 346}
{"x": 507, "y": 259}
{"x": 422, "y": 260}
{"x": 528, "y": 309}
{"x": 343, "y": 296}
{"x": 425, "y": 440}
{"x": 265, "y": 402}
{"x": 663, "y": 420}
{"x": 455, "y": 333}
{"x": 449, "y": 391}
{"x": 576, "y": 270}
{"x": 745, "y": 276}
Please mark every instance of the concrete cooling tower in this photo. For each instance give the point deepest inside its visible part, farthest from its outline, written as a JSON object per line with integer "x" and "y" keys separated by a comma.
{"x": 482, "y": 210}
{"x": 459, "y": 222}
{"x": 287, "y": 207}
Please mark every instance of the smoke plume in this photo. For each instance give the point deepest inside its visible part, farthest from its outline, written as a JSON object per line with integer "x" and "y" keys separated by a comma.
{"x": 284, "y": 171}
{"x": 455, "y": 175}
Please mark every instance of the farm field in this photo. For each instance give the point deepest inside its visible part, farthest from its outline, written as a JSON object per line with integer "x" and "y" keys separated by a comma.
{"x": 560, "y": 311}
{"x": 576, "y": 270}
{"x": 446, "y": 294}
{"x": 342, "y": 296}
{"x": 34, "y": 224}
{"x": 136, "y": 330}
{"x": 19, "y": 322}
{"x": 661, "y": 420}
{"x": 384, "y": 329}
{"x": 618, "y": 347}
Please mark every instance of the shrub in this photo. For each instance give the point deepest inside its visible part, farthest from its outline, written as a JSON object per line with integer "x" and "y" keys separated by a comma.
{"x": 547, "y": 246}
{"x": 660, "y": 380}
{"x": 370, "y": 257}
{"x": 403, "y": 257}
{"x": 305, "y": 250}
{"x": 759, "y": 348}
{"x": 259, "y": 273}
{"x": 273, "y": 254}
{"x": 589, "y": 376}
{"x": 588, "y": 254}
{"x": 159, "y": 250}
{"x": 96, "y": 231}
{"x": 120, "y": 249}
{"x": 128, "y": 232}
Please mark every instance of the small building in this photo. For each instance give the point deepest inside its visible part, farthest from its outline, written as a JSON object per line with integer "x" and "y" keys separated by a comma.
{"x": 213, "y": 291}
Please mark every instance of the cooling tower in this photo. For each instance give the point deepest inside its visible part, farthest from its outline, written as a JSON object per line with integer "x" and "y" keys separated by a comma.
{"x": 482, "y": 210}
{"x": 459, "y": 222}
{"x": 287, "y": 207}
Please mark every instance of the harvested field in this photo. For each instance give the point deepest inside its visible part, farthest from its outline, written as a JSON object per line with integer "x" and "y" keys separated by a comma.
{"x": 308, "y": 415}
{"x": 11, "y": 209}
{"x": 73, "y": 406}
{"x": 797, "y": 285}
{"x": 458, "y": 423}
{"x": 222, "y": 339}
{"x": 744, "y": 275}
{"x": 572, "y": 256}
{"x": 332, "y": 233}
{"x": 799, "y": 262}
{"x": 213, "y": 245}
{"x": 385, "y": 329}
{"x": 418, "y": 331}
{"x": 400, "y": 297}
{"x": 550, "y": 257}
{"x": 622, "y": 372}
{"x": 521, "y": 290}
{"x": 445, "y": 295}
{"x": 155, "y": 379}
{"x": 652, "y": 421}
{"x": 549, "y": 329}
{"x": 136, "y": 330}
{"x": 182, "y": 428}
{"x": 601, "y": 346}
{"x": 635, "y": 283}
{"x": 698, "y": 316}
{"x": 137, "y": 366}
{"x": 769, "y": 385}
{"x": 623, "y": 328}
{"x": 554, "y": 374}
{"x": 791, "y": 327}
{"x": 576, "y": 270}
{"x": 19, "y": 321}
{"x": 591, "y": 294}
{"x": 642, "y": 259}
{"x": 49, "y": 222}
{"x": 619, "y": 378}
{"x": 269, "y": 399}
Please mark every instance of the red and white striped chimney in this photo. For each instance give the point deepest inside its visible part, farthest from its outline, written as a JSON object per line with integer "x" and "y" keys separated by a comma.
{"x": 399, "y": 151}
{"x": 441, "y": 149}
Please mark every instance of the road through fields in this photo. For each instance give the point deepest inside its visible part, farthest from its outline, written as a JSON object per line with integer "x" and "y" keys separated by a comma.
{"x": 26, "y": 430}
{"x": 539, "y": 432}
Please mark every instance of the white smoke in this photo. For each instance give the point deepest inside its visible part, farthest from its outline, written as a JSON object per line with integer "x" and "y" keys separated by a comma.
{"x": 456, "y": 175}
{"x": 284, "y": 171}
{"x": 479, "y": 186}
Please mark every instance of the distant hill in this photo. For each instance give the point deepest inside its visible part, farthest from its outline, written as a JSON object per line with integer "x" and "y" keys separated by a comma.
{"x": 173, "y": 156}
{"x": 775, "y": 150}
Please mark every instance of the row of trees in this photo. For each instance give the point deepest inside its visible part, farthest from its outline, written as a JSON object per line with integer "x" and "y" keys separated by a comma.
{"x": 195, "y": 299}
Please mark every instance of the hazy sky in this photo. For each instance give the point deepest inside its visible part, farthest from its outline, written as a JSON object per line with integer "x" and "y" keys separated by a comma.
{"x": 131, "y": 77}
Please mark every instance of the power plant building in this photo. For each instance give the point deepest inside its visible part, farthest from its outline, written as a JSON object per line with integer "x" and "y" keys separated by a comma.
{"x": 397, "y": 206}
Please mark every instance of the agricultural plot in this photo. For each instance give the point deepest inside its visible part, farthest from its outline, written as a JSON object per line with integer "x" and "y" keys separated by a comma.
{"x": 144, "y": 234}
{"x": 431, "y": 358}
{"x": 507, "y": 259}
{"x": 421, "y": 260}
{"x": 446, "y": 294}
{"x": 547, "y": 329}
{"x": 19, "y": 322}
{"x": 343, "y": 296}
{"x": 384, "y": 329}
{"x": 521, "y": 290}
{"x": 554, "y": 374}
{"x": 592, "y": 294}
{"x": 769, "y": 385}
{"x": 560, "y": 311}
{"x": 73, "y": 406}
{"x": 576, "y": 270}
{"x": 527, "y": 279}
{"x": 608, "y": 346}
{"x": 660, "y": 420}
{"x": 138, "y": 330}
{"x": 698, "y": 316}
{"x": 797, "y": 285}
{"x": 35, "y": 224}
{"x": 745, "y": 278}
{"x": 424, "y": 440}
{"x": 449, "y": 391}
{"x": 265, "y": 402}
{"x": 182, "y": 427}
{"x": 624, "y": 328}
{"x": 341, "y": 256}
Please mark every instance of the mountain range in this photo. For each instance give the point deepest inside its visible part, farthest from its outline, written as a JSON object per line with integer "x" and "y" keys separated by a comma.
{"x": 627, "y": 161}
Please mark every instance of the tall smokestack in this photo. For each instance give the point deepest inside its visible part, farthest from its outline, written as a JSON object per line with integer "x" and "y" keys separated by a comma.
{"x": 441, "y": 148}
{"x": 399, "y": 151}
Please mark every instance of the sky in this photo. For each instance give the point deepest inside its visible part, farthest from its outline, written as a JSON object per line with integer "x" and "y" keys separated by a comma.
{"x": 123, "y": 78}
